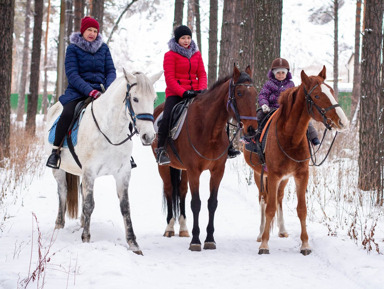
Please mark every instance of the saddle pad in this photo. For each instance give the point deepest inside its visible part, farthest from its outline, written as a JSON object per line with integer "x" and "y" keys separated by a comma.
{"x": 73, "y": 132}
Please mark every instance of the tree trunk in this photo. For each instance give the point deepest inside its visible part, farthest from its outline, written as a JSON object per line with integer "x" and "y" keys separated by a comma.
{"x": 198, "y": 24}
{"x": 212, "y": 50}
{"x": 229, "y": 39}
{"x": 356, "y": 65}
{"x": 78, "y": 15}
{"x": 247, "y": 34}
{"x": 69, "y": 18}
{"x": 369, "y": 152}
{"x": 179, "y": 8}
{"x": 97, "y": 12}
{"x": 24, "y": 69}
{"x": 61, "y": 55}
{"x": 191, "y": 15}
{"x": 336, "y": 48}
{"x": 35, "y": 68}
{"x": 44, "y": 104}
{"x": 268, "y": 23}
{"x": 7, "y": 8}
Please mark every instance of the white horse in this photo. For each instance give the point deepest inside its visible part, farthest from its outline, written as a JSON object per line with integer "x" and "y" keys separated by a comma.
{"x": 103, "y": 147}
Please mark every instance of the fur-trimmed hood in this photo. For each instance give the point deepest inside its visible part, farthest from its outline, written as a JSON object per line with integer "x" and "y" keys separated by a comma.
{"x": 187, "y": 52}
{"x": 91, "y": 47}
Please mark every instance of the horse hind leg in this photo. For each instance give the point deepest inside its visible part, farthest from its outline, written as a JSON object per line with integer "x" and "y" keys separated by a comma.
{"x": 122, "y": 192}
{"x": 88, "y": 206}
{"x": 183, "y": 189}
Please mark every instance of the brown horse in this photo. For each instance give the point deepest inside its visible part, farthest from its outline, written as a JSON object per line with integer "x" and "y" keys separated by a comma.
{"x": 203, "y": 144}
{"x": 287, "y": 151}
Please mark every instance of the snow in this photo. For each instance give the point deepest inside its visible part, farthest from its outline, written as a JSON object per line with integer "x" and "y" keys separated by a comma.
{"x": 106, "y": 262}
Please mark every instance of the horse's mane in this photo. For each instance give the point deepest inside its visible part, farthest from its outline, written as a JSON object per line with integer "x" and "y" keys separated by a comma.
{"x": 244, "y": 77}
{"x": 143, "y": 84}
{"x": 286, "y": 100}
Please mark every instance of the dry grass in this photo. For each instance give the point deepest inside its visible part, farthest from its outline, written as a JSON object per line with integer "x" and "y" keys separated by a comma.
{"x": 18, "y": 171}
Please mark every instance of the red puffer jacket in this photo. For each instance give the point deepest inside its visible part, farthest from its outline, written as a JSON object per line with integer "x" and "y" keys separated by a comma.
{"x": 183, "y": 69}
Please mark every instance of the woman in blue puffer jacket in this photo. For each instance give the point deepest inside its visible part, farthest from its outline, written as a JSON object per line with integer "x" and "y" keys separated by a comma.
{"x": 88, "y": 66}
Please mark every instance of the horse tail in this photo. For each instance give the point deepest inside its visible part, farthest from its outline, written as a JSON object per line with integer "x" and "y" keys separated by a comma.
{"x": 175, "y": 180}
{"x": 72, "y": 195}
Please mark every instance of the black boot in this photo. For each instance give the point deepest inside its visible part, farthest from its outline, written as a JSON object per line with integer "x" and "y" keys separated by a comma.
{"x": 232, "y": 152}
{"x": 54, "y": 160}
{"x": 133, "y": 164}
{"x": 162, "y": 156}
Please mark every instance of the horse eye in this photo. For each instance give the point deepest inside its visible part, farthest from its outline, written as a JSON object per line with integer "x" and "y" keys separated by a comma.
{"x": 317, "y": 96}
{"x": 135, "y": 99}
{"x": 239, "y": 94}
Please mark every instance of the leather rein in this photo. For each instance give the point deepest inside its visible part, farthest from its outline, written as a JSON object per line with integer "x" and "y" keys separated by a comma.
{"x": 309, "y": 105}
{"x": 133, "y": 115}
{"x": 233, "y": 105}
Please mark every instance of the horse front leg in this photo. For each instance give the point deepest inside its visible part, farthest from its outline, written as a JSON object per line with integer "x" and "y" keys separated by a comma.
{"x": 59, "y": 175}
{"x": 301, "y": 181}
{"x": 183, "y": 232}
{"x": 262, "y": 202}
{"x": 195, "y": 244}
{"x": 270, "y": 211}
{"x": 122, "y": 184}
{"x": 216, "y": 176}
{"x": 88, "y": 205}
{"x": 280, "y": 218}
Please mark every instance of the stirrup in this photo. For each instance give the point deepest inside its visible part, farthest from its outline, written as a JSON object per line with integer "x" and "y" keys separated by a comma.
{"x": 162, "y": 157}
{"x": 54, "y": 161}
{"x": 133, "y": 164}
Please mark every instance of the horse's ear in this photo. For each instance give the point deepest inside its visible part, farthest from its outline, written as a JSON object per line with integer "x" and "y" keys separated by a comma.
{"x": 248, "y": 70}
{"x": 305, "y": 79}
{"x": 155, "y": 77}
{"x": 236, "y": 73}
{"x": 129, "y": 76}
{"x": 322, "y": 73}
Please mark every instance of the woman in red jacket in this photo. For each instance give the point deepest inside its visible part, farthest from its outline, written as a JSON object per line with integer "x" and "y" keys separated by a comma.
{"x": 185, "y": 77}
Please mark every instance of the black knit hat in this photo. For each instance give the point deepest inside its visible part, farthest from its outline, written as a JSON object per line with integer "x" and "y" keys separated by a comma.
{"x": 181, "y": 31}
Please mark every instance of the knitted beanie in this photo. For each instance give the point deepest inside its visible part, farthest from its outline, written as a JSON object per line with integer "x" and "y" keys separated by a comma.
{"x": 87, "y": 22}
{"x": 181, "y": 31}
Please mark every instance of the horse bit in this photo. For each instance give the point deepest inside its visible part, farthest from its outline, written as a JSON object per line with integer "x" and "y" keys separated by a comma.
{"x": 134, "y": 117}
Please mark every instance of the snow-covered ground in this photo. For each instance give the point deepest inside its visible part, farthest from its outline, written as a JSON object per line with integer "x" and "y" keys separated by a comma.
{"x": 105, "y": 262}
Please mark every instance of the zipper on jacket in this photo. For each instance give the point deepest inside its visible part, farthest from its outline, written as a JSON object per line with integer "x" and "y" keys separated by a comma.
{"x": 189, "y": 72}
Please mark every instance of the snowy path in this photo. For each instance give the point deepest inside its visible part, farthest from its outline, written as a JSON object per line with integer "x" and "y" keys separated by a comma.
{"x": 105, "y": 262}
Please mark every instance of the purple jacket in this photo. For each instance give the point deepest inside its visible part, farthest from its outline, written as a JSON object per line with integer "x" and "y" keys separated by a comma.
{"x": 271, "y": 90}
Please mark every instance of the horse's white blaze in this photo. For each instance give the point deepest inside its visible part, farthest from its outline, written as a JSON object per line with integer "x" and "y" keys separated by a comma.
{"x": 343, "y": 118}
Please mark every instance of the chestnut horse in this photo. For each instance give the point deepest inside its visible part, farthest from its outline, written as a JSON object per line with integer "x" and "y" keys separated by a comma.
{"x": 203, "y": 144}
{"x": 287, "y": 152}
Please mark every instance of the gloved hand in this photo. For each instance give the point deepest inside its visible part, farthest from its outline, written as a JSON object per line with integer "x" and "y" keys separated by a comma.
{"x": 95, "y": 93}
{"x": 265, "y": 108}
{"x": 189, "y": 94}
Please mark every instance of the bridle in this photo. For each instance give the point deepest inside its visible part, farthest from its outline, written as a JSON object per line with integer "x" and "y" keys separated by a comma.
{"x": 323, "y": 111}
{"x": 326, "y": 121}
{"x": 133, "y": 115}
{"x": 233, "y": 105}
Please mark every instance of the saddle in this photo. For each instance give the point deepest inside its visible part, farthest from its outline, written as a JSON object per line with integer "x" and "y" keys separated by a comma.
{"x": 178, "y": 115}
{"x": 259, "y": 142}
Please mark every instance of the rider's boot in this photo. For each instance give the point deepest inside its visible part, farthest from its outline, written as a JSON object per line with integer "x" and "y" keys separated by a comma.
{"x": 232, "y": 152}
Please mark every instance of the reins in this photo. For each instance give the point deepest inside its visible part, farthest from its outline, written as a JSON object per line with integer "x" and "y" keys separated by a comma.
{"x": 134, "y": 117}
{"x": 232, "y": 103}
{"x": 322, "y": 111}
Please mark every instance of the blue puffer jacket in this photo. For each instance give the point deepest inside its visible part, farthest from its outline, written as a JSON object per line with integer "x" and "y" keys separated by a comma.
{"x": 87, "y": 65}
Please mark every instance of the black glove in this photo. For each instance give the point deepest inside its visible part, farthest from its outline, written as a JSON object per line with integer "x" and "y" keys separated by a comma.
{"x": 189, "y": 94}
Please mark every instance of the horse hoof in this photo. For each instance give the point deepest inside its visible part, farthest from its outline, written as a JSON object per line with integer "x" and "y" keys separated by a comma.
{"x": 283, "y": 235}
{"x": 169, "y": 234}
{"x": 209, "y": 246}
{"x": 59, "y": 226}
{"x": 85, "y": 238}
{"x": 183, "y": 234}
{"x": 306, "y": 252}
{"x": 138, "y": 252}
{"x": 195, "y": 247}
{"x": 263, "y": 251}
